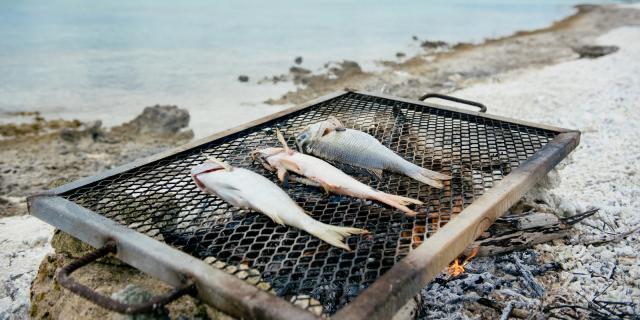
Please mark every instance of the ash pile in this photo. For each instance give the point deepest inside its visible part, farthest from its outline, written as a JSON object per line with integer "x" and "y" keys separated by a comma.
{"x": 516, "y": 270}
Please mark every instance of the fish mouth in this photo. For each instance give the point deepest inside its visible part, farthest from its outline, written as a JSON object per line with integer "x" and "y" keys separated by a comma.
{"x": 203, "y": 168}
{"x": 260, "y": 156}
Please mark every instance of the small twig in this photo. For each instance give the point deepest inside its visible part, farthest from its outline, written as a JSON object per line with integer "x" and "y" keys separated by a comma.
{"x": 506, "y": 312}
{"x": 517, "y": 313}
{"x": 608, "y": 238}
{"x": 537, "y": 289}
{"x": 579, "y": 217}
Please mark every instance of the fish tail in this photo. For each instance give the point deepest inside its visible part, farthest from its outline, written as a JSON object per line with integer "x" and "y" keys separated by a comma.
{"x": 397, "y": 202}
{"x": 427, "y": 176}
{"x": 335, "y": 235}
{"x": 404, "y": 200}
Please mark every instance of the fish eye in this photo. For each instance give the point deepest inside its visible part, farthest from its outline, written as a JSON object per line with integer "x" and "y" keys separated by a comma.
{"x": 303, "y": 137}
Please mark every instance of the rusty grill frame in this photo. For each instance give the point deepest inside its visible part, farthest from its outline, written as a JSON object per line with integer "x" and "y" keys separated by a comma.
{"x": 226, "y": 292}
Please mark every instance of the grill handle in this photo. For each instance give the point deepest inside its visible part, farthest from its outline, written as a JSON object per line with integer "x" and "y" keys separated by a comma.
{"x": 482, "y": 107}
{"x": 63, "y": 277}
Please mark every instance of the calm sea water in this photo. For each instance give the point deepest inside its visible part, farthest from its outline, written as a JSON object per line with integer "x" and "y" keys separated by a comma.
{"x": 109, "y": 59}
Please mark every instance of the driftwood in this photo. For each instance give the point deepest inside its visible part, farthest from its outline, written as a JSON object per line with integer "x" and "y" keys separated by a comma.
{"x": 518, "y": 232}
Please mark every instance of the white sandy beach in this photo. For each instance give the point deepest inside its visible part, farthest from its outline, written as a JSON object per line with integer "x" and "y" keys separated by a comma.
{"x": 600, "y": 97}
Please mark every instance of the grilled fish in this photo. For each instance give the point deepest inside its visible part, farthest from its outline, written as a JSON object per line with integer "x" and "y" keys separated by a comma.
{"x": 320, "y": 173}
{"x": 246, "y": 189}
{"x": 330, "y": 140}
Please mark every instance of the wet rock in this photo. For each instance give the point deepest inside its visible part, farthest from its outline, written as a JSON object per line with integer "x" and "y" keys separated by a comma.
{"x": 433, "y": 44}
{"x": 592, "y": 52}
{"x": 157, "y": 120}
{"x": 298, "y": 60}
{"x": 92, "y": 130}
{"x": 400, "y": 54}
{"x": 415, "y": 38}
{"x": 243, "y": 78}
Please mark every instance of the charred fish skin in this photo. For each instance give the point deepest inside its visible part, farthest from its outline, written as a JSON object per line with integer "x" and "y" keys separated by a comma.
{"x": 246, "y": 189}
{"x": 331, "y": 141}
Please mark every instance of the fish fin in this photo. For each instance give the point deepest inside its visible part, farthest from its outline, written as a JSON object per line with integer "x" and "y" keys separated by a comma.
{"x": 435, "y": 175}
{"x": 337, "y": 126}
{"x": 377, "y": 173}
{"x": 404, "y": 200}
{"x": 282, "y": 174}
{"x": 274, "y": 217}
{"x": 336, "y": 122}
{"x": 431, "y": 178}
{"x": 328, "y": 187}
{"x": 290, "y": 165}
{"x": 283, "y": 142}
{"x": 226, "y": 166}
{"x": 391, "y": 200}
{"x": 334, "y": 235}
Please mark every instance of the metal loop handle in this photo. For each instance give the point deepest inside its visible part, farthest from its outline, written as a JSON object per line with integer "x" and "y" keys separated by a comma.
{"x": 155, "y": 303}
{"x": 482, "y": 107}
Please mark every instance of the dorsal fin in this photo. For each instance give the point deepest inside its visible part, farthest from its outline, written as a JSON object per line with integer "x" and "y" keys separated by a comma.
{"x": 283, "y": 141}
{"x": 226, "y": 166}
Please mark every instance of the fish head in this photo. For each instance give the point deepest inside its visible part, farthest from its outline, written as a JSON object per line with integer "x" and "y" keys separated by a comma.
{"x": 265, "y": 156}
{"x": 314, "y": 132}
{"x": 206, "y": 167}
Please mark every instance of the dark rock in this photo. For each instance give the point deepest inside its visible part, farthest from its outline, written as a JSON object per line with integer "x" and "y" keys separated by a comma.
{"x": 400, "y": 55}
{"x": 92, "y": 130}
{"x": 415, "y": 38}
{"x": 298, "y": 70}
{"x": 158, "y": 120}
{"x": 298, "y": 60}
{"x": 433, "y": 44}
{"x": 595, "y": 51}
{"x": 243, "y": 78}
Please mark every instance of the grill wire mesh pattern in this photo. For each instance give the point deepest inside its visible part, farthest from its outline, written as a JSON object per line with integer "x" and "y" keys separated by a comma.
{"x": 161, "y": 201}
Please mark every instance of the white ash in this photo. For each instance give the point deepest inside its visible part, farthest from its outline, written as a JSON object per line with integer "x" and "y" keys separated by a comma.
{"x": 497, "y": 278}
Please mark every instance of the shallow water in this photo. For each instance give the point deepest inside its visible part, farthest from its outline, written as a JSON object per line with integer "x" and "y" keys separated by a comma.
{"x": 108, "y": 60}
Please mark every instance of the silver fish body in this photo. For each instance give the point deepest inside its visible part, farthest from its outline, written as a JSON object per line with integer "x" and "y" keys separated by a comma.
{"x": 319, "y": 172}
{"x": 331, "y": 141}
{"x": 246, "y": 189}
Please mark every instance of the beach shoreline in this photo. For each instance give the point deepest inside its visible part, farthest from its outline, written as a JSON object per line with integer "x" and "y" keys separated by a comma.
{"x": 512, "y": 70}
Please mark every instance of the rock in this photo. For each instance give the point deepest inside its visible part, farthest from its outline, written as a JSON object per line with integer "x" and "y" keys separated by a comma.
{"x": 24, "y": 241}
{"x": 49, "y": 300}
{"x": 243, "y": 78}
{"x": 415, "y": 38}
{"x": 346, "y": 68}
{"x": 134, "y": 294}
{"x": 592, "y": 52}
{"x": 156, "y": 120}
{"x": 433, "y": 44}
{"x": 400, "y": 54}
{"x": 298, "y": 60}
{"x": 92, "y": 130}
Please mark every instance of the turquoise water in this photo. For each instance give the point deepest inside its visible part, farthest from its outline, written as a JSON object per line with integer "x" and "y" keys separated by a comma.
{"x": 107, "y": 60}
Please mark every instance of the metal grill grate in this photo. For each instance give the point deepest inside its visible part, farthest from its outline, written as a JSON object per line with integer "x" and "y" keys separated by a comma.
{"x": 161, "y": 201}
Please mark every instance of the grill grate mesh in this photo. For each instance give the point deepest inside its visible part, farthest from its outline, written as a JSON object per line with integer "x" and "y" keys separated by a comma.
{"x": 161, "y": 201}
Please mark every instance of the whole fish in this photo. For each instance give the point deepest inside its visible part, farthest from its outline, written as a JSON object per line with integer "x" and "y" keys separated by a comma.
{"x": 318, "y": 172}
{"x": 330, "y": 140}
{"x": 246, "y": 189}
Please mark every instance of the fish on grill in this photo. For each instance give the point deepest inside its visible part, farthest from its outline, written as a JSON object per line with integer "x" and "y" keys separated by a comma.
{"x": 330, "y": 140}
{"x": 246, "y": 189}
{"x": 320, "y": 173}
